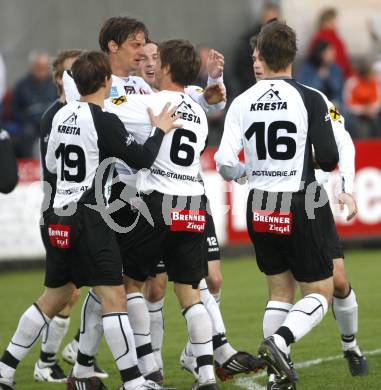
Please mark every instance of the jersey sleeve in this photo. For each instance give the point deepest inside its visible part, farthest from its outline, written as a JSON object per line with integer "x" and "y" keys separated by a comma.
{"x": 226, "y": 157}
{"x": 115, "y": 141}
{"x": 347, "y": 154}
{"x": 50, "y": 158}
{"x": 71, "y": 91}
{"x": 321, "y": 132}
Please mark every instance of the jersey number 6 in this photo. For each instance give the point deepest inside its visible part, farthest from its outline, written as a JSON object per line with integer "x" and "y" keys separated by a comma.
{"x": 186, "y": 157}
{"x": 273, "y": 141}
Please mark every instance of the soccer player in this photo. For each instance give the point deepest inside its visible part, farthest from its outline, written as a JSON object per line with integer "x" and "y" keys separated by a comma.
{"x": 228, "y": 361}
{"x": 278, "y": 122}
{"x": 47, "y": 368}
{"x": 344, "y": 305}
{"x": 174, "y": 195}
{"x": 81, "y": 248}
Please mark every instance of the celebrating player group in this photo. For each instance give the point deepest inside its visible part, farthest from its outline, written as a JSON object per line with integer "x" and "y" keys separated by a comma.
{"x": 125, "y": 211}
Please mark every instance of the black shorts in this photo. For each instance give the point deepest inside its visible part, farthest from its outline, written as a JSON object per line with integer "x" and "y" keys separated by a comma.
{"x": 166, "y": 236}
{"x": 290, "y": 241}
{"x": 211, "y": 244}
{"x": 81, "y": 249}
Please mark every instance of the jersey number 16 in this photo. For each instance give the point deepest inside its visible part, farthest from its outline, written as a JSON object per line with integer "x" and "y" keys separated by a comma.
{"x": 273, "y": 141}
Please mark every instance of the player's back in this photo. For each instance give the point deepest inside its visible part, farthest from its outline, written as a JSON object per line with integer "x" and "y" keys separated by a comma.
{"x": 177, "y": 166}
{"x": 280, "y": 120}
{"x": 74, "y": 142}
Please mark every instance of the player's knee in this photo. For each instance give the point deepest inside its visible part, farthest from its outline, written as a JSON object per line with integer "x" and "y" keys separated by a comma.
{"x": 155, "y": 292}
{"x": 52, "y": 305}
{"x": 214, "y": 282}
{"x": 284, "y": 293}
{"x": 113, "y": 298}
{"x": 341, "y": 286}
{"x": 340, "y": 281}
{"x": 186, "y": 294}
{"x": 74, "y": 297}
{"x": 132, "y": 285}
{"x": 323, "y": 287}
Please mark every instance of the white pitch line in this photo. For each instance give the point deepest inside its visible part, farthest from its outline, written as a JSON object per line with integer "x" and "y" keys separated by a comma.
{"x": 250, "y": 384}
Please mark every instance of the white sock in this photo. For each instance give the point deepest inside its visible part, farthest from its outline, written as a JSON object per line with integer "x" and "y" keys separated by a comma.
{"x": 52, "y": 337}
{"x": 120, "y": 339}
{"x": 223, "y": 351}
{"x": 90, "y": 337}
{"x": 140, "y": 323}
{"x": 275, "y": 313}
{"x": 345, "y": 311}
{"x": 29, "y": 329}
{"x": 200, "y": 336}
{"x": 156, "y": 316}
{"x": 217, "y": 297}
{"x": 305, "y": 315}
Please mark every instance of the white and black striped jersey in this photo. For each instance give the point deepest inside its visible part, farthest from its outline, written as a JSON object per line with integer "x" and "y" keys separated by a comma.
{"x": 277, "y": 122}
{"x": 176, "y": 168}
{"x": 82, "y": 135}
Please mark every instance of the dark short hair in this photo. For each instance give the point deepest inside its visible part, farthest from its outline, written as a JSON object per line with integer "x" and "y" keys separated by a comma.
{"x": 118, "y": 29}
{"x": 276, "y": 43}
{"x": 182, "y": 58}
{"x": 62, "y": 56}
{"x": 90, "y": 70}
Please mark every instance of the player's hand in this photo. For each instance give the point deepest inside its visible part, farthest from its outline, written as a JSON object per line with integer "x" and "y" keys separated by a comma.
{"x": 166, "y": 119}
{"x": 215, "y": 93}
{"x": 350, "y": 202}
{"x": 215, "y": 64}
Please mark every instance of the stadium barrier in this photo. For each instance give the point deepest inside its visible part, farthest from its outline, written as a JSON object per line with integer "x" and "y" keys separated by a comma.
{"x": 20, "y": 211}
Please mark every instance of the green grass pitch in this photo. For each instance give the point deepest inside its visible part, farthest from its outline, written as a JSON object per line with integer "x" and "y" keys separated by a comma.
{"x": 243, "y": 299}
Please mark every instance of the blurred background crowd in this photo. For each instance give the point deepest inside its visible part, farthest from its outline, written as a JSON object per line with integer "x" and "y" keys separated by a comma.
{"x": 352, "y": 82}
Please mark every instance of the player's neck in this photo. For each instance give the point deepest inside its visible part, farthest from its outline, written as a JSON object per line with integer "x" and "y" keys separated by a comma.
{"x": 97, "y": 98}
{"x": 268, "y": 73}
{"x": 118, "y": 69}
{"x": 170, "y": 86}
{"x": 278, "y": 75}
{"x": 62, "y": 98}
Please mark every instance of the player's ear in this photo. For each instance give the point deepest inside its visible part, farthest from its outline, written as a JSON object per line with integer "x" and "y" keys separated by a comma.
{"x": 112, "y": 46}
